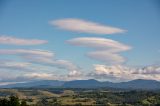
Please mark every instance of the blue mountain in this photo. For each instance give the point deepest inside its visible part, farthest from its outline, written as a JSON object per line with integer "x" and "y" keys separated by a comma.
{"x": 91, "y": 83}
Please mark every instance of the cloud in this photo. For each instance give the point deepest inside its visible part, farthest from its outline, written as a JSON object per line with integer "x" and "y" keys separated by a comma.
{"x": 34, "y": 76}
{"x": 99, "y": 43}
{"x": 106, "y": 50}
{"x": 63, "y": 64}
{"x": 123, "y": 73}
{"x": 40, "y": 57}
{"x": 152, "y": 70}
{"x": 7, "y": 78}
{"x": 39, "y": 75}
{"x": 12, "y": 65}
{"x": 107, "y": 57}
{"x": 50, "y": 76}
{"x": 83, "y": 26}
{"x": 18, "y": 41}
{"x": 7, "y": 83}
{"x": 35, "y": 60}
{"x": 22, "y": 52}
{"x": 74, "y": 73}
{"x": 18, "y": 72}
{"x": 30, "y": 70}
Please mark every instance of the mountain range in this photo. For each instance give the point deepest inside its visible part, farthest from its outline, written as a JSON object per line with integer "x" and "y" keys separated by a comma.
{"x": 91, "y": 83}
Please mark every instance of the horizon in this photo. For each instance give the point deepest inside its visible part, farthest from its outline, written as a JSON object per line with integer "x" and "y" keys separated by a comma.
{"x": 106, "y": 40}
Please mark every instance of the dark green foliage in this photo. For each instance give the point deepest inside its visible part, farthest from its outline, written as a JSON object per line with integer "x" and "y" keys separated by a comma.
{"x": 55, "y": 102}
{"x": 4, "y": 102}
{"x": 44, "y": 102}
{"x": 24, "y": 103}
{"x": 12, "y": 101}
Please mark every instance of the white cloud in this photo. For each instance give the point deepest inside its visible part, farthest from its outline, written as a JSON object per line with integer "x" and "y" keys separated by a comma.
{"x": 79, "y": 25}
{"x": 107, "y": 57}
{"x": 74, "y": 73}
{"x": 6, "y": 77}
{"x": 153, "y": 70}
{"x": 67, "y": 64}
{"x": 12, "y": 65}
{"x": 39, "y": 75}
{"x": 7, "y": 83}
{"x": 31, "y": 70}
{"x": 40, "y": 57}
{"x": 63, "y": 64}
{"x": 19, "y": 41}
{"x": 122, "y": 73}
{"x": 34, "y": 52}
{"x": 35, "y": 60}
{"x": 99, "y": 43}
{"x": 33, "y": 76}
{"x": 106, "y": 50}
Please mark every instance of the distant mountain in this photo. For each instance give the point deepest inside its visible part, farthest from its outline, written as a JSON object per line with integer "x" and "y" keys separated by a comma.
{"x": 40, "y": 84}
{"x": 91, "y": 83}
{"x": 82, "y": 83}
{"x": 134, "y": 84}
{"x": 139, "y": 84}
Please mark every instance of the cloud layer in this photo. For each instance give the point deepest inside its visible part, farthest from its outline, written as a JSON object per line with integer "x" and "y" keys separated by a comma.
{"x": 62, "y": 64}
{"x": 106, "y": 50}
{"x": 13, "y": 65}
{"x": 41, "y": 57}
{"x": 83, "y": 26}
{"x": 24, "y": 52}
{"x": 124, "y": 73}
{"x": 18, "y": 41}
{"x": 32, "y": 62}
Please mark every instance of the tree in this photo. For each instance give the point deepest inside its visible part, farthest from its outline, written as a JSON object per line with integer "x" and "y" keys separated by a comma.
{"x": 14, "y": 101}
{"x": 4, "y": 102}
{"x": 23, "y": 103}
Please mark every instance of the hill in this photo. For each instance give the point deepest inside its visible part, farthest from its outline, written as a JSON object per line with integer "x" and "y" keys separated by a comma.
{"x": 91, "y": 83}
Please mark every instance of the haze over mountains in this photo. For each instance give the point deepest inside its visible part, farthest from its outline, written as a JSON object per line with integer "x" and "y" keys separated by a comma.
{"x": 91, "y": 83}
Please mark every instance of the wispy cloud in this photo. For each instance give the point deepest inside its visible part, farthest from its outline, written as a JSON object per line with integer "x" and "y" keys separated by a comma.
{"x": 7, "y": 78}
{"x": 53, "y": 76}
{"x": 33, "y": 62}
{"x": 99, "y": 43}
{"x": 11, "y": 65}
{"x": 124, "y": 73}
{"x": 19, "y": 41}
{"x": 7, "y": 83}
{"x": 106, "y": 50}
{"x": 83, "y": 26}
{"x": 40, "y": 57}
{"x": 62, "y": 64}
{"x": 33, "y": 76}
{"x": 107, "y": 57}
{"x": 35, "y": 52}
{"x": 39, "y": 75}
{"x": 15, "y": 65}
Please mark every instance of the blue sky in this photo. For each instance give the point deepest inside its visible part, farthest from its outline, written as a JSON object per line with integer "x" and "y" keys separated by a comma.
{"x": 32, "y": 19}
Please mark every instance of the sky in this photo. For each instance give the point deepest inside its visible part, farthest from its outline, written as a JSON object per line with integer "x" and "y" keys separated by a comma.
{"x": 107, "y": 40}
